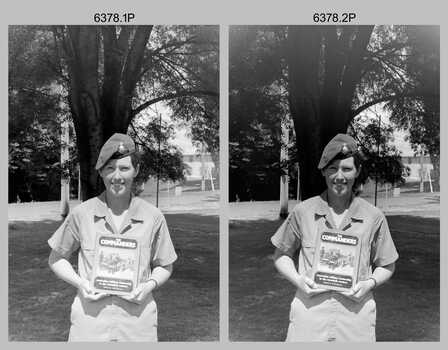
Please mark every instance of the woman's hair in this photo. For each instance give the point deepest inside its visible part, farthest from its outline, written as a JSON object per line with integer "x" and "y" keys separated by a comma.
{"x": 359, "y": 158}
{"x": 138, "y": 183}
{"x": 135, "y": 159}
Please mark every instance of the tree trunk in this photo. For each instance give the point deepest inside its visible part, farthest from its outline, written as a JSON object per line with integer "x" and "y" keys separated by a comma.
{"x": 435, "y": 174}
{"x": 100, "y": 98}
{"x": 82, "y": 47}
{"x": 324, "y": 66}
{"x": 284, "y": 178}
{"x": 215, "y": 160}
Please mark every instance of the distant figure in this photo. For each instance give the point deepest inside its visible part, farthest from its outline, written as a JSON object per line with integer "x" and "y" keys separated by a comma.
{"x": 319, "y": 314}
{"x": 100, "y": 316}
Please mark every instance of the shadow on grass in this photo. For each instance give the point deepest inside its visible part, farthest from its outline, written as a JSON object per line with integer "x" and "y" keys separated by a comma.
{"x": 188, "y": 304}
{"x": 433, "y": 199}
{"x": 407, "y": 306}
{"x": 212, "y": 198}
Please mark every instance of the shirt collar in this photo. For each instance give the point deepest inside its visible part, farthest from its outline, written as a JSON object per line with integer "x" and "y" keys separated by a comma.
{"x": 134, "y": 212}
{"x": 100, "y": 207}
{"x": 354, "y": 212}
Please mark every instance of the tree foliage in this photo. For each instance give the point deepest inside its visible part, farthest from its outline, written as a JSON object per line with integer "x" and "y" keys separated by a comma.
{"x": 112, "y": 74}
{"x": 325, "y": 64}
{"x": 158, "y": 156}
{"x": 192, "y": 68}
{"x": 257, "y": 104}
{"x": 333, "y": 74}
{"x": 382, "y": 160}
{"x": 420, "y": 115}
{"x": 34, "y": 114}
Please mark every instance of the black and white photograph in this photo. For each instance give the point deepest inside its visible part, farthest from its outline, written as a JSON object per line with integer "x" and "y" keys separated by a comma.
{"x": 113, "y": 135}
{"x": 224, "y": 174}
{"x": 334, "y": 127}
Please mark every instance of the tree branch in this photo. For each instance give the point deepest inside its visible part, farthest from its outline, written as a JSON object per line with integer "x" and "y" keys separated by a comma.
{"x": 141, "y": 143}
{"x": 354, "y": 66}
{"x": 134, "y": 60}
{"x": 172, "y": 96}
{"x": 389, "y": 98}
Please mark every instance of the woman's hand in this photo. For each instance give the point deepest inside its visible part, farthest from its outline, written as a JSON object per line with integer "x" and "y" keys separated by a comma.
{"x": 359, "y": 291}
{"x": 64, "y": 270}
{"x": 140, "y": 293}
{"x": 87, "y": 291}
{"x": 308, "y": 286}
{"x": 285, "y": 266}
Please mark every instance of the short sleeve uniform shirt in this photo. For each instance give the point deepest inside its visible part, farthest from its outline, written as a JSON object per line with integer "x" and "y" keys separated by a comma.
{"x": 331, "y": 315}
{"x": 113, "y": 318}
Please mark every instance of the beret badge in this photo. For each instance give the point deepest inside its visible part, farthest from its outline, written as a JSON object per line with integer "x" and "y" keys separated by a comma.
{"x": 121, "y": 148}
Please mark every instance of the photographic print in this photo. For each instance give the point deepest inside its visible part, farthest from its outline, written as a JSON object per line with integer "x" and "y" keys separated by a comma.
{"x": 334, "y": 127}
{"x": 113, "y": 129}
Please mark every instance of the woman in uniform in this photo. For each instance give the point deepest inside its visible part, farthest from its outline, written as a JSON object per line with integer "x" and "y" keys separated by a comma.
{"x": 319, "y": 314}
{"x": 100, "y": 316}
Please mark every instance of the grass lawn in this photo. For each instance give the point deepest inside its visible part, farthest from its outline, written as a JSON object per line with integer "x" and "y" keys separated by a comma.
{"x": 188, "y": 304}
{"x": 407, "y": 306}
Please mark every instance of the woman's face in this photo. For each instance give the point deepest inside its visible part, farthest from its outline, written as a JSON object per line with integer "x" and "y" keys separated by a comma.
{"x": 118, "y": 176}
{"x": 340, "y": 175}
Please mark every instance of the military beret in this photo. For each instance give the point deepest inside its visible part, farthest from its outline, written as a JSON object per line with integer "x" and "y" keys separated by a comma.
{"x": 340, "y": 144}
{"x": 117, "y": 146}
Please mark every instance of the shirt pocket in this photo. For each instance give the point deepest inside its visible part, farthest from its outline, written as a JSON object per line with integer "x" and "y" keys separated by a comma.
{"x": 142, "y": 238}
{"x": 88, "y": 247}
{"x": 86, "y": 258}
{"x": 145, "y": 263}
{"x": 364, "y": 264}
{"x": 308, "y": 251}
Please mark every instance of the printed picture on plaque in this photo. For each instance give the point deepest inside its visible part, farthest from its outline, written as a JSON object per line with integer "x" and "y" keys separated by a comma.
{"x": 336, "y": 260}
{"x": 116, "y": 264}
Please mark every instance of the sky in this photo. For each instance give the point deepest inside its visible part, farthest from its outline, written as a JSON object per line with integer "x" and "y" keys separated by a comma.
{"x": 402, "y": 145}
{"x": 180, "y": 137}
{"x": 183, "y": 141}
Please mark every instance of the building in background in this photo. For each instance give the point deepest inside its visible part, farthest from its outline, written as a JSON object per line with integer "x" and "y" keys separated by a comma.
{"x": 201, "y": 165}
{"x": 418, "y": 166}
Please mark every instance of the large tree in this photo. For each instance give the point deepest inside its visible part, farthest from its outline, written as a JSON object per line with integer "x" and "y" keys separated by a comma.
{"x": 333, "y": 75}
{"x": 111, "y": 74}
{"x": 337, "y": 72}
{"x": 325, "y": 65}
